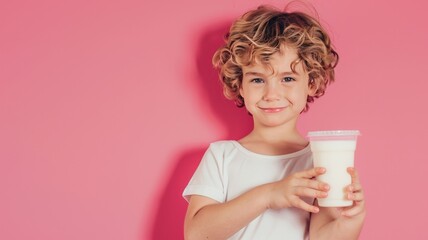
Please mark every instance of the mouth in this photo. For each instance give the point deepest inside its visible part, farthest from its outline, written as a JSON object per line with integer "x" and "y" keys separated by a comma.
{"x": 272, "y": 109}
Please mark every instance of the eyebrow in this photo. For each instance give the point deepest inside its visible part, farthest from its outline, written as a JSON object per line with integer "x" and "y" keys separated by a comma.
{"x": 262, "y": 74}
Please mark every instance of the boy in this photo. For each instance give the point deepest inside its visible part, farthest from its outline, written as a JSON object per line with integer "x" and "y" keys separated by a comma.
{"x": 263, "y": 186}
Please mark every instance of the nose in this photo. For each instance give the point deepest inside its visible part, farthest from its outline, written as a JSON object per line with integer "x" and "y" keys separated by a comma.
{"x": 271, "y": 92}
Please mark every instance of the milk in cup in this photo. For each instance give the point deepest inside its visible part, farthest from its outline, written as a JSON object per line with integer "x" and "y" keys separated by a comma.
{"x": 334, "y": 151}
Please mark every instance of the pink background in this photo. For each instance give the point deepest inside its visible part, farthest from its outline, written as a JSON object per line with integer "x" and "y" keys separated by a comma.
{"x": 107, "y": 106}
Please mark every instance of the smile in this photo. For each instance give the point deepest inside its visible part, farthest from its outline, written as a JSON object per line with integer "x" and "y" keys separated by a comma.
{"x": 272, "y": 110}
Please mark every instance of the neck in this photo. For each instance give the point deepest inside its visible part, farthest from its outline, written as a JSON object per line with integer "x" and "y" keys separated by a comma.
{"x": 277, "y": 133}
{"x": 274, "y": 140}
{"x": 282, "y": 133}
{"x": 274, "y": 135}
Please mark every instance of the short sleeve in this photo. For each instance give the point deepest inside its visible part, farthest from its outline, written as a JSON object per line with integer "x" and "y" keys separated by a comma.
{"x": 208, "y": 179}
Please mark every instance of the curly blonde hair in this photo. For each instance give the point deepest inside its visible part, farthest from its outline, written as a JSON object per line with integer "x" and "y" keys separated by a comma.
{"x": 262, "y": 32}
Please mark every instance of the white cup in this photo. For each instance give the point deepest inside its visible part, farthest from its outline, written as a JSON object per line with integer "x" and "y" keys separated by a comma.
{"x": 334, "y": 151}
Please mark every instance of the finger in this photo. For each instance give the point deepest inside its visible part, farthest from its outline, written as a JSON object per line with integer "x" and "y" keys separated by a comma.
{"x": 314, "y": 184}
{"x": 357, "y": 197}
{"x": 313, "y": 172}
{"x": 299, "y": 203}
{"x": 354, "y": 175}
{"x": 356, "y": 187}
{"x": 308, "y": 192}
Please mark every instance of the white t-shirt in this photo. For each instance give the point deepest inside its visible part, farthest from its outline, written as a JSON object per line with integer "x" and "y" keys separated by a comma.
{"x": 227, "y": 170}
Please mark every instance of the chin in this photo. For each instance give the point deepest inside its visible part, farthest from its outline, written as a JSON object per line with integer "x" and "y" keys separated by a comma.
{"x": 275, "y": 122}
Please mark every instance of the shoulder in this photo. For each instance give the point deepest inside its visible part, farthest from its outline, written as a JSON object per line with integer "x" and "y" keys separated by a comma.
{"x": 222, "y": 143}
{"x": 223, "y": 150}
{"x": 223, "y": 146}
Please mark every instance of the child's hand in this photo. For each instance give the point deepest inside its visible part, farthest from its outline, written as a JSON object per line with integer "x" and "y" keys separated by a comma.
{"x": 355, "y": 193}
{"x": 288, "y": 192}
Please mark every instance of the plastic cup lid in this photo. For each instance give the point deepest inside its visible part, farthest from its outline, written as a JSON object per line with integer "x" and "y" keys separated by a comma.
{"x": 334, "y": 133}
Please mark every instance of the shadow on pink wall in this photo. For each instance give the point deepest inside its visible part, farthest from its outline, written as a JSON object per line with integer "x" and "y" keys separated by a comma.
{"x": 168, "y": 223}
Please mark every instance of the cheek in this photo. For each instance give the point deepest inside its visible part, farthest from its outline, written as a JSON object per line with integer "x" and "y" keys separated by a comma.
{"x": 300, "y": 97}
{"x": 249, "y": 93}
{"x": 249, "y": 99}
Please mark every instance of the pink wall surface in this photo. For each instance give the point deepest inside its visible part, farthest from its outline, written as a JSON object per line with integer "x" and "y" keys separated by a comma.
{"x": 106, "y": 108}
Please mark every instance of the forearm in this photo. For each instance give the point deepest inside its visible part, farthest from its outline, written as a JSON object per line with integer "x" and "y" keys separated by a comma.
{"x": 220, "y": 221}
{"x": 340, "y": 227}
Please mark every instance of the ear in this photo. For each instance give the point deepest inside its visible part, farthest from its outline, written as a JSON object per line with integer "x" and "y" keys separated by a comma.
{"x": 312, "y": 88}
{"x": 241, "y": 92}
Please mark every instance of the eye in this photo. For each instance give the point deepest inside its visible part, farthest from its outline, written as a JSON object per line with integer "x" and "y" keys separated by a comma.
{"x": 288, "y": 79}
{"x": 257, "y": 80}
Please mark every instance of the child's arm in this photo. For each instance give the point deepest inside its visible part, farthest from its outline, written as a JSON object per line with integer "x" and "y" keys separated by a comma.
{"x": 341, "y": 223}
{"x": 208, "y": 219}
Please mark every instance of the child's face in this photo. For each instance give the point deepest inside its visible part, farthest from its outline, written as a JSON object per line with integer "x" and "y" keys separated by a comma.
{"x": 278, "y": 97}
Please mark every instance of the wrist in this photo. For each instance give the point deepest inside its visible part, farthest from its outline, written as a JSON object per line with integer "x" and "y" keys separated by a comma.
{"x": 266, "y": 191}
